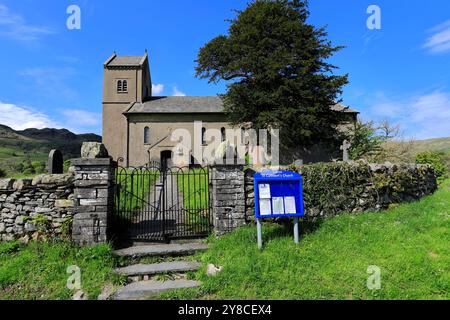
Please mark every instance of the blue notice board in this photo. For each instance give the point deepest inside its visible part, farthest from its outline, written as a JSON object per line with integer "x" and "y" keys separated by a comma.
{"x": 278, "y": 194}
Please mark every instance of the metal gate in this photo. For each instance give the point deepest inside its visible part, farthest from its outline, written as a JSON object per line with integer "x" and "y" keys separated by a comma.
{"x": 158, "y": 204}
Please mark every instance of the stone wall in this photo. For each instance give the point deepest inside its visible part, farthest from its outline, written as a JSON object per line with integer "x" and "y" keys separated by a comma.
{"x": 228, "y": 198}
{"x": 94, "y": 199}
{"x": 330, "y": 189}
{"x": 30, "y": 208}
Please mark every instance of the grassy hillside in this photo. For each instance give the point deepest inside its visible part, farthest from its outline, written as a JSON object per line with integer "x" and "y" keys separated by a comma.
{"x": 437, "y": 145}
{"x": 24, "y": 153}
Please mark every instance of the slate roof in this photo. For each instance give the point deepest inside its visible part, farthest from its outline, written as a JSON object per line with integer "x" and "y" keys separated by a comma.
{"x": 125, "y": 61}
{"x": 341, "y": 108}
{"x": 178, "y": 105}
{"x": 212, "y": 104}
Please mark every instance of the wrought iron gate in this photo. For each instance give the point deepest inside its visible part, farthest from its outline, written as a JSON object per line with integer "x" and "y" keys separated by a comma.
{"x": 159, "y": 204}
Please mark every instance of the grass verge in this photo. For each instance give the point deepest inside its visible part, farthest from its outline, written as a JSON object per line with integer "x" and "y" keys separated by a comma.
{"x": 409, "y": 243}
{"x": 38, "y": 271}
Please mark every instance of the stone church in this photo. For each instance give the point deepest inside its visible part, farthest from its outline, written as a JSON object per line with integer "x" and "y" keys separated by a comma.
{"x": 137, "y": 126}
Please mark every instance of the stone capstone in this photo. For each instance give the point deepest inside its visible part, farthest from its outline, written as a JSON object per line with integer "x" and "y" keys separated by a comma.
{"x": 92, "y": 150}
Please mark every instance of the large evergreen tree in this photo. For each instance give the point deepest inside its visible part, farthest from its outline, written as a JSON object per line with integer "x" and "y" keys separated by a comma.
{"x": 278, "y": 71}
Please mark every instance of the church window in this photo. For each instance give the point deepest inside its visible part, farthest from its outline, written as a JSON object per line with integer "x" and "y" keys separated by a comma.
{"x": 122, "y": 86}
{"x": 223, "y": 133}
{"x": 146, "y": 135}
{"x": 203, "y": 136}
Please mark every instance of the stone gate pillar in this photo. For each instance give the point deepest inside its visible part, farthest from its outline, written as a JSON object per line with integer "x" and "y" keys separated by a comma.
{"x": 94, "y": 199}
{"x": 228, "y": 197}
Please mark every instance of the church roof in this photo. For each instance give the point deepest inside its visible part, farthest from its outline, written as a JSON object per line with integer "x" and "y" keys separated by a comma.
{"x": 125, "y": 61}
{"x": 212, "y": 104}
{"x": 341, "y": 108}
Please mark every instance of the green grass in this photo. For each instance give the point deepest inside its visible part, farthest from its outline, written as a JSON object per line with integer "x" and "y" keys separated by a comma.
{"x": 37, "y": 271}
{"x": 194, "y": 185}
{"x": 410, "y": 243}
{"x": 135, "y": 186}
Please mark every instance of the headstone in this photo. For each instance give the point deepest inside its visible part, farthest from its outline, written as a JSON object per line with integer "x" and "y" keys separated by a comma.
{"x": 345, "y": 147}
{"x": 55, "y": 162}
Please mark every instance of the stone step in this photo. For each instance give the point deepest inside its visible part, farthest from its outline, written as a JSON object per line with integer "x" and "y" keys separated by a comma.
{"x": 161, "y": 250}
{"x": 148, "y": 289}
{"x": 157, "y": 268}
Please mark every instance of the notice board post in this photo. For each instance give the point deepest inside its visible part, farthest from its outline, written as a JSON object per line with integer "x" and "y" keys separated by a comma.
{"x": 278, "y": 194}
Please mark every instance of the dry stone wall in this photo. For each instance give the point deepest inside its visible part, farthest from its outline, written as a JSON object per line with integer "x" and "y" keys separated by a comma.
{"x": 330, "y": 189}
{"x": 42, "y": 206}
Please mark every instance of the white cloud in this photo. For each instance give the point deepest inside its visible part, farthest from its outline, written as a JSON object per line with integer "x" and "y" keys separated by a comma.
{"x": 157, "y": 89}
{"x": 177, "y": 93}
{"x": 20, "y": 117}
{"x": 14, "y": 26}
{"x": 422, "y": 116}
{"x": 439, "y": 42}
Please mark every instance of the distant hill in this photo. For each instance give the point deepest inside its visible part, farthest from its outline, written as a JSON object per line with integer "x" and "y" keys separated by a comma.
{"x": 33, "y": 145}
{"x": 438, "y": 145}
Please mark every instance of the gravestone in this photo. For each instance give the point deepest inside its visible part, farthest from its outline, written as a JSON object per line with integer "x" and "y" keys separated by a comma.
{"x": 345, "y": 147}
{"x": 55, "y": 162}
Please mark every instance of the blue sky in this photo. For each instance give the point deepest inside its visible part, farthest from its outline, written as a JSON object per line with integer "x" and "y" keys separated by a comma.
{"x": 52, "y": 76}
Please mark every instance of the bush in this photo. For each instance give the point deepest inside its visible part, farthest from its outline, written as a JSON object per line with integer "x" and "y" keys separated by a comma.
{"x": 2, "y": 173}
{"x": 436, "y": 160}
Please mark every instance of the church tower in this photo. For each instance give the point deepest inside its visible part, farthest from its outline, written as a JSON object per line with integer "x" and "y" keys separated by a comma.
{"x": 126, "y": 80}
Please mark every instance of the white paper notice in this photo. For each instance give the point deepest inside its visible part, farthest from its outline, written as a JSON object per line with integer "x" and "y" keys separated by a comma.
{"x": 264, "y": 191}
{"x": 264, "y": 207}
{"x": 278, "y": 205}
{"x": 290, "y": 207}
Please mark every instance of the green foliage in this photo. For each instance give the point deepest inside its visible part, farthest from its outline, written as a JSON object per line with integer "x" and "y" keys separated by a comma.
{"x": 333, "y": 188}
{"x": 66, "y": 165}
{"x": 38, "y": 270}
{"x": 409, "y": 243}
{"x": 66, "y": 226}
{"x": 2, "y": 173}
{"x": 366, "y": 141}
{"x": 276, "y": 63}
{"x": 435, "y": 159}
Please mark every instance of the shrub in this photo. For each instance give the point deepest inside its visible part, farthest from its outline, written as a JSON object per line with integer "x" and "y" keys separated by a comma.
{"x": 436, "y": 160}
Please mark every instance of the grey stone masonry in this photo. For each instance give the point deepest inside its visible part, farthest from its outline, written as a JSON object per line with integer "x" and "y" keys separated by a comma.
{"x": 94, "y": 199}
{"x": 30, "y": 209}
{"x": 228, "y": 198}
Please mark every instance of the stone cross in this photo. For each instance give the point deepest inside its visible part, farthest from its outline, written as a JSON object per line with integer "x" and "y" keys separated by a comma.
{"x": 345, "y": 147}
{"x": 55, "y": 162}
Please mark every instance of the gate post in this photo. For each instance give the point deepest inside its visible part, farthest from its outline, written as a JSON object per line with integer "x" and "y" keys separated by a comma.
{"x": 228, "y": 198}
{"x": 94, "y": 199}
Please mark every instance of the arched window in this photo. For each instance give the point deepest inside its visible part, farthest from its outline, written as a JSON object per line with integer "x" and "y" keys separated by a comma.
{"x": 119, "y": 86}
{"x": 146, "y": 135}
{"x": 223, "y": 132}
{"x": 242, "y": 131}
{"x": 203, "y": 136}
{"x": 125, "y": 86}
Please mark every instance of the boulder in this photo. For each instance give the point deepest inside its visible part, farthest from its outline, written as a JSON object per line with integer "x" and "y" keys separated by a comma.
{"x": 93, "y": 150}
{"x": 22, "y": 183}
{"x": 7, "y": 184}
